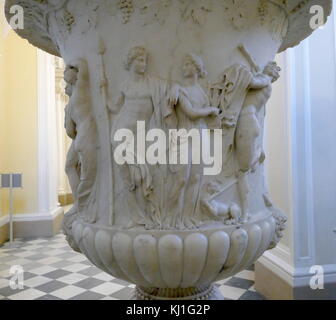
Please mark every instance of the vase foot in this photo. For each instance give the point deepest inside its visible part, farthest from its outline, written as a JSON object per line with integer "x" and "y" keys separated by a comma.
{"x": 208, "y": 293}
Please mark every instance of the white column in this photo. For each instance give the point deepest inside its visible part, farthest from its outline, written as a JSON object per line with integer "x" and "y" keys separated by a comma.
{"x": 47, "y": 135}
{"x": 63, "y": 142}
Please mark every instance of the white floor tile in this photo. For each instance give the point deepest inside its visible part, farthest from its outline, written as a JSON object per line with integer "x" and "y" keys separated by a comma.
{"x": 4, "y": 283}
{"x": 72, "y": 278}
{"x": 29, "y": 294}
{"x": 58, "y": 245}
{"x": 231, "y": 292}
{"x": 36, "y": 281}
{"x": 4, "y": 273}
{"x": 25, "y": 254}
{"x": 20, "y": 262}
{"x": 107, "y": 288}
{"x": 79, "y": 258}
{"x": 42, "y": 270}
{"x": 67, "y": 292}
{"x": 31, "y": 248}
{"x": 103, "y": 276}
{"x": 75, "y": 267}
{"x": 54, "y": 252}
{"x": 37, "y": 241}
{"x": 49, "y": 260}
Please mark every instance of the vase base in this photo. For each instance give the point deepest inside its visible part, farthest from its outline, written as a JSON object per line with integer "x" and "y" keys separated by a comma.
{"x": 209, "y": 293}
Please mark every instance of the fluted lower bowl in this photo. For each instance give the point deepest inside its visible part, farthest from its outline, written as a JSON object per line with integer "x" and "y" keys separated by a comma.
{"x": 174, "y": 259}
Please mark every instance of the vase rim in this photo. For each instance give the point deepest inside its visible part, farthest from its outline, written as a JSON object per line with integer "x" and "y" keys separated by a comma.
{"x": 297, "y": 11}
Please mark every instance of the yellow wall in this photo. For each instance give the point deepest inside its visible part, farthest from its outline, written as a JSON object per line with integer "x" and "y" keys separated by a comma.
{"x": 3, "y": 116}
{"x": 18, "y": 119}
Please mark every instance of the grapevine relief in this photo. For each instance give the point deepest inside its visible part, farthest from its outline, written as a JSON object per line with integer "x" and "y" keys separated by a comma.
{"x": 127, "y": 8}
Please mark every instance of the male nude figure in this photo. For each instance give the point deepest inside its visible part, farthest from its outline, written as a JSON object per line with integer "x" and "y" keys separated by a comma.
{"x": 81, "y": 162}
{"x": 247, "y": 139}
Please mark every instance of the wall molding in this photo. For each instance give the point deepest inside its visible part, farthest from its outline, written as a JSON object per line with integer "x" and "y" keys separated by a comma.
{"x": 299, "y": 107}
{"x": 22, "y": 217}
{"x": 38, "y": 216}
{"x": 295, "y": 277}
{"x": 278, "y": 266}
{"x": 4, "y": 220}
{"x": 309, "y": 82}
{"x": 35, "y": 224}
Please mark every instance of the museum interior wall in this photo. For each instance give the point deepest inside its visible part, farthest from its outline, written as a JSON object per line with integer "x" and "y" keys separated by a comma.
{"x": 20, "y": 136}
{"x": 18, "y": 121}
{"x": 300, "y": 136}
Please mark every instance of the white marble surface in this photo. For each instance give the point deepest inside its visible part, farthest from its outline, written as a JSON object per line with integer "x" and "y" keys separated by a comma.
{"x": 194, "y": 65}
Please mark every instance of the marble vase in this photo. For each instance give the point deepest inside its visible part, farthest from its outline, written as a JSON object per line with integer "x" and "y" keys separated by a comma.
{"x": 151, "y": 81}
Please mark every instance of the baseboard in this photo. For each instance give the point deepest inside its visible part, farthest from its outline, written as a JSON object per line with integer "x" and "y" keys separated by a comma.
{"x": 32, "y": 225}
{"x": 65, "y": 199}
{"x": 4, "y": 229}
{"x": 269, "y": 284}
{"x": 278, "y": 280}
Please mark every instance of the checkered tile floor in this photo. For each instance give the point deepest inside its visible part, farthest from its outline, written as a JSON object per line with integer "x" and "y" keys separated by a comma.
{"x": 52, "y": 271}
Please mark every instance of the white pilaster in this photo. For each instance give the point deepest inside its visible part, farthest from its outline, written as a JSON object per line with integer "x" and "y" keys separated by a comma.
{"x": 47, "y": 135}
{"x": 308, "y": 82}
{"x": 63, "y": 142}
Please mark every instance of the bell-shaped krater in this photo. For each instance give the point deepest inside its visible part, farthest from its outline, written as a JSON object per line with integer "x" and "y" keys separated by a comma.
{"x": 173, "y": 230}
